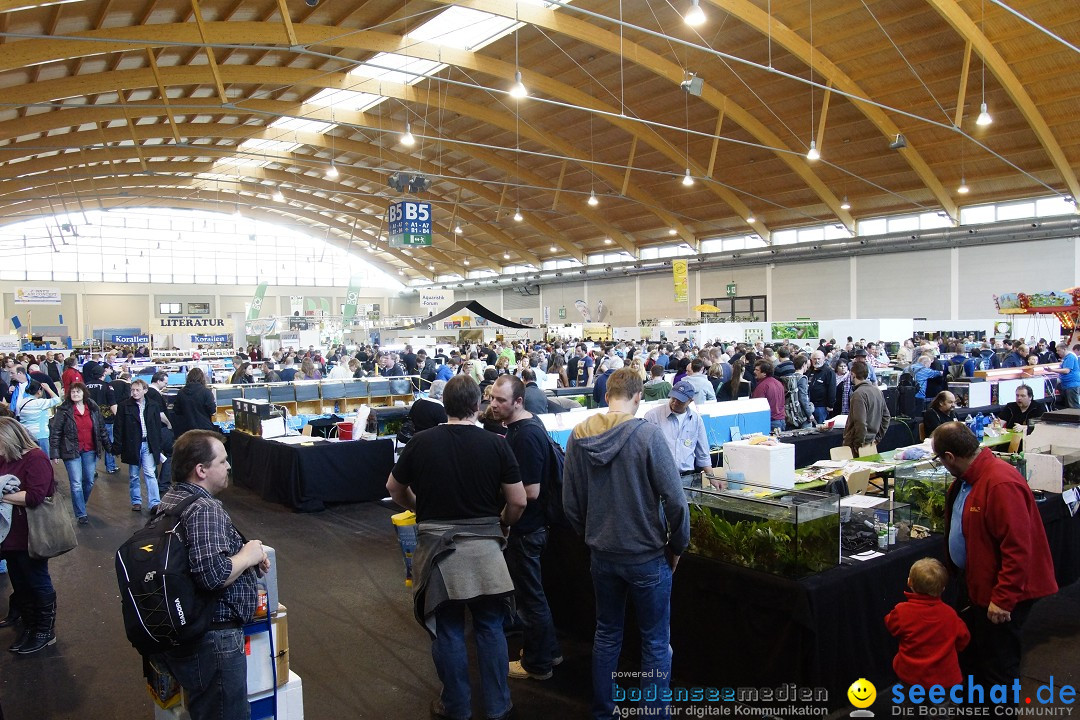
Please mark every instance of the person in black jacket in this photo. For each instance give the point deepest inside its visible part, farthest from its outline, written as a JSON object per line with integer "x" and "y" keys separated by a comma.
{"x": 941, "y": 411}
{"x": 822, "y": 386}
{"x": 427, "y": 412}
{"x": 194, "y": 406}
{"x": 137, "y": 433}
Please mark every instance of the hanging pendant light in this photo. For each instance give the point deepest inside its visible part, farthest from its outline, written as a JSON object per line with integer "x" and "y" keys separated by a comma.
{"x": 984, "y": 116}
{"x": 518, "y": 89}
{"x": 963, "y": 189}
{"x": 695, "y": 15}
{"x": 592, "y": 199}
{"x": 518, "y": 217}
{"x": 688, "y": 179}
{"x": 844, "y": 204}
{"x": 407, "y": 139}
{"x": 332, "y": 172}
{"x": 812, "y": 153}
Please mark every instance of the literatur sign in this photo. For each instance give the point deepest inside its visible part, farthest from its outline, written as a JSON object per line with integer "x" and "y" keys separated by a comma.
{"x": 188, "y": 322}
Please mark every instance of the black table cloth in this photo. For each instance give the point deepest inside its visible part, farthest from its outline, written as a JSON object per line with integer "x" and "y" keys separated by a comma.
{"x": 815, "y": 446}
{"x": 306, "y": 477}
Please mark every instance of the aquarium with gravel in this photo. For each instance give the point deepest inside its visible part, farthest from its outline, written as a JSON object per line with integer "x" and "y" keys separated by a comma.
{"x": 923, "y": 485}
{"x": 789, "y": 533}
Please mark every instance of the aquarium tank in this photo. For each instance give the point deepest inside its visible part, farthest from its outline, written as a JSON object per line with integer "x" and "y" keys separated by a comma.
{"x": 788, "y": 533}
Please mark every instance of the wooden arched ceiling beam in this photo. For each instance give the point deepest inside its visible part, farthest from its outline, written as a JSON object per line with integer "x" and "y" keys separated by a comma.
{"x": 77, "y": 117}
{"x": 969, "y": 31}
{"x": 33, "y": 207}
{"x": 41, "y": 180}
{"x": 756, "y": 18}
{"x": 235, "y": 74}
{"x": 585, "y": 32}
{"x": 127, "y": 176}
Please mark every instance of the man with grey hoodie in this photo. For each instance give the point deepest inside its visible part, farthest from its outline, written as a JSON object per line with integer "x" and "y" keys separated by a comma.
{"x": 622, "y": 492}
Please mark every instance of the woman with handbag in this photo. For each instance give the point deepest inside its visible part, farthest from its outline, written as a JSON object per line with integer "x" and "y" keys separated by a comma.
{"x": 32, "y": 588}
{"x": 78, "y": 436}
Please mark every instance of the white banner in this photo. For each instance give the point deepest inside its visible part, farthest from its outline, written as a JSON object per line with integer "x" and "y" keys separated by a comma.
{"x": 171, "y": 323}
{"x": 433, "y": 302}
{"x": 296, "y": 304}
{"x": 36, "y": 296}
{"x": 10, "y": 344}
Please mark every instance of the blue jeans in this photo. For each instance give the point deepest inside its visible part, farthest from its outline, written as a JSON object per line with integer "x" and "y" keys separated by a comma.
{"x": 213, "y": 675}
{"x": 774, "y": 424}
{"x": 80, "y": 472}
{"x": 523, "y": 560}
{"x": 820, "y": 414}
{"x": 110, "y": 460}
{"x": 43, "y": 443}
{"x": 648, "y": 585}
{"x": 452, "y": 660}
{"x": 148, "y": 466}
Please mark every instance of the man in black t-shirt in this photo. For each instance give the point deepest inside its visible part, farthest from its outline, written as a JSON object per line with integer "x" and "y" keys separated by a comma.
{"x": 98, "y": 389}
{"x": 463, "y": 483}
{"x": 584, "y": 375}
{"x": 1023, "y": 411}
{"x": 528, "y": 536}
{"x": 571, "y": 369}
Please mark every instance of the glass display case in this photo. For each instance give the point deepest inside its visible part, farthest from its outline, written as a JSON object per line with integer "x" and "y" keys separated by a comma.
{"x": 787, "y": 533}
{"x": 923, "y": 486}
{"x": 876, "y": 524}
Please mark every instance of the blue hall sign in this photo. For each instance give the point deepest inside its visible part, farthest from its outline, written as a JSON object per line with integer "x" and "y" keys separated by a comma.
{"x": 210, "y": 339}
{"x": 410, "y": 224}
{"x": 130, "y": 339}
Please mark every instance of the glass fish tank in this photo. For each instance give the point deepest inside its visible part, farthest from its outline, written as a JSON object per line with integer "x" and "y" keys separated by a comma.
{"x": 923, "y": 485}
{"x": 783, "y": 532}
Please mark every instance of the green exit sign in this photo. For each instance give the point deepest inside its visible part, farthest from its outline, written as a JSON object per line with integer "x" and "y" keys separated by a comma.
{"x": 731, "y": 290}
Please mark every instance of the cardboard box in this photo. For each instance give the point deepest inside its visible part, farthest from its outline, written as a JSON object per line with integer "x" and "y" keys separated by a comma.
{"x": 770, "y": 465}
{"x": 260, "y": 673}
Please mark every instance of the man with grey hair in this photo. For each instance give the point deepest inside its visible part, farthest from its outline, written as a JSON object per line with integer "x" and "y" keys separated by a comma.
{"x": 608, "y": 365}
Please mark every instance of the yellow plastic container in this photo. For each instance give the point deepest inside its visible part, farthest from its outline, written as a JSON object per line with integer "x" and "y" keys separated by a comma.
{"x": 405, "y": 525}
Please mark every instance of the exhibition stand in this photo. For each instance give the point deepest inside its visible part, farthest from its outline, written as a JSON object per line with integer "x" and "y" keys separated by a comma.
{"x": 305, "y": 473}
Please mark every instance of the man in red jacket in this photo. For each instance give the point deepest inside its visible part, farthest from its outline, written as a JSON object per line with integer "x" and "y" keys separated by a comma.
{"x": 999, "y": 546}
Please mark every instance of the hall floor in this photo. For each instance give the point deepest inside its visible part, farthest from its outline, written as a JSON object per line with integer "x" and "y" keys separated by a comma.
{"x": 352, "y": 637}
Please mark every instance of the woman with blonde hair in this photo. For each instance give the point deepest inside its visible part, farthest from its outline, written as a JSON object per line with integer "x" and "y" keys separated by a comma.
{"x": 33, "y": 597}
{"x": 637, "y": 366}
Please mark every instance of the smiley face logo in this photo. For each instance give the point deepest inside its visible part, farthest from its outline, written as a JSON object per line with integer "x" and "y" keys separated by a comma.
{"x": 862, "y": 693}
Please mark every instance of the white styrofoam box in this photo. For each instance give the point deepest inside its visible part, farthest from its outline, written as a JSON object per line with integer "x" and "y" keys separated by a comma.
{"x": 260, "y": 666}
{"x": 290, "y": 699}
{"x": 771, "y": 465}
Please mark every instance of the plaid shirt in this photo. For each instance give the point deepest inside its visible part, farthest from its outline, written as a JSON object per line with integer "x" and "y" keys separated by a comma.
{"x": 212, "y": 540}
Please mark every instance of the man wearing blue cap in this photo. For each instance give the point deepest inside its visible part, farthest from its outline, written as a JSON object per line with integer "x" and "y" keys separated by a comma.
{"x": 684, "y": 432}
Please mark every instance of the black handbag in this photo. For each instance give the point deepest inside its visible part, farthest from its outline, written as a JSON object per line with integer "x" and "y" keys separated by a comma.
{"x": 51, "y": 529}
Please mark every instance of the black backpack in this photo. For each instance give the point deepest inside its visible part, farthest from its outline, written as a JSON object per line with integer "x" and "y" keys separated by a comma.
{"x": 551, "y": 489}
{"x": 163, "y": 608}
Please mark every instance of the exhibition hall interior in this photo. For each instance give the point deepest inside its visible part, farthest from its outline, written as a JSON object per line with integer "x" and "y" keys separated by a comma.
{"x": 833, "y": 244}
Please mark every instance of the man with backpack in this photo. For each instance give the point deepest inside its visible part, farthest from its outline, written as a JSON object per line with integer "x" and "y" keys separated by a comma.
{"x": 213, "y": 672}
{"x": 798, "y": 410}
{"x": 531, "y": 446}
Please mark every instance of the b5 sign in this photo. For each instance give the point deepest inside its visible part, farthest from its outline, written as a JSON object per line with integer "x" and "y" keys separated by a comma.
{"x": 410, "y": 224}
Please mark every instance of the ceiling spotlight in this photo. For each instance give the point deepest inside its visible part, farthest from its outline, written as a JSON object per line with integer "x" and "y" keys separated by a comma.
{"x": 672, "y": 232}
{"x": 466, "y": 261}
{"x": 430, "y": 266}
{"x": 608, "y": 241}
{"x": 751, "y": 219}
{"x": 695, "y": 15}
{"x": 592, "y": 199}
{"x": 899, "y": 143}
{"x": 688, "y": 179}
{"x": 518, "y": 90}
{"x": 457, "y": 229}
{"x": 278, "y": 197}
{"x": 506, "y": 256}
{"x": 400, "y": 271}
{"x": 812, "y": 153}
{"x": 553, "y": 249}
{"x": 518, "y": 217}
{"x": 844, "y": 204}
{"x": 984, "y": 116}
{"x": 332, "y": 172}
{"x": 407, "y": 139}
{"x": 963, "y": 189}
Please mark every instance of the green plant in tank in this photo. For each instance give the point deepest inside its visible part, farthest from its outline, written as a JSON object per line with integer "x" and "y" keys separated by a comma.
{"x": 927, "y": 499}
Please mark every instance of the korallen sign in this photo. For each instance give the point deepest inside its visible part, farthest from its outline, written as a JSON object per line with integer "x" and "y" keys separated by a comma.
{"x": 410, "y": 224}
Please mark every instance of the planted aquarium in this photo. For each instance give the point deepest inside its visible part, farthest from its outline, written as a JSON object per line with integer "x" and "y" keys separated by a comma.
{"x": 923, "y": 485}
{"x": 789, "y": 533}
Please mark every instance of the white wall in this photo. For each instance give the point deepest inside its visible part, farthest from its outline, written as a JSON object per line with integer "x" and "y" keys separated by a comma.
{"x": 1018, "y": 267}
{"x": 813, "y": 290}
{"x": 912, "y": 284}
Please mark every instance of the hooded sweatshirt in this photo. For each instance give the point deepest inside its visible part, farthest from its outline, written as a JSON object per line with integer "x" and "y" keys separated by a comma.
{"x": 622, "y": 490}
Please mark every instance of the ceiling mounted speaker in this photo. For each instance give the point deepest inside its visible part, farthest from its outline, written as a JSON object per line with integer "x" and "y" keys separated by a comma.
{"x": 414, "y": 184}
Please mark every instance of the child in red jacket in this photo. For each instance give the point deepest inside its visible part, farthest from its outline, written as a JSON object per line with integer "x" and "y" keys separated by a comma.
{"x": 930, "y": 632}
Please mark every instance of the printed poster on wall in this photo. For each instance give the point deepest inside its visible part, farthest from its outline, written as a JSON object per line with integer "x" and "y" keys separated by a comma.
{"x": 36, "y": 296}
{"x": 794, "y": 330}
{"x": 678, "y": 271}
